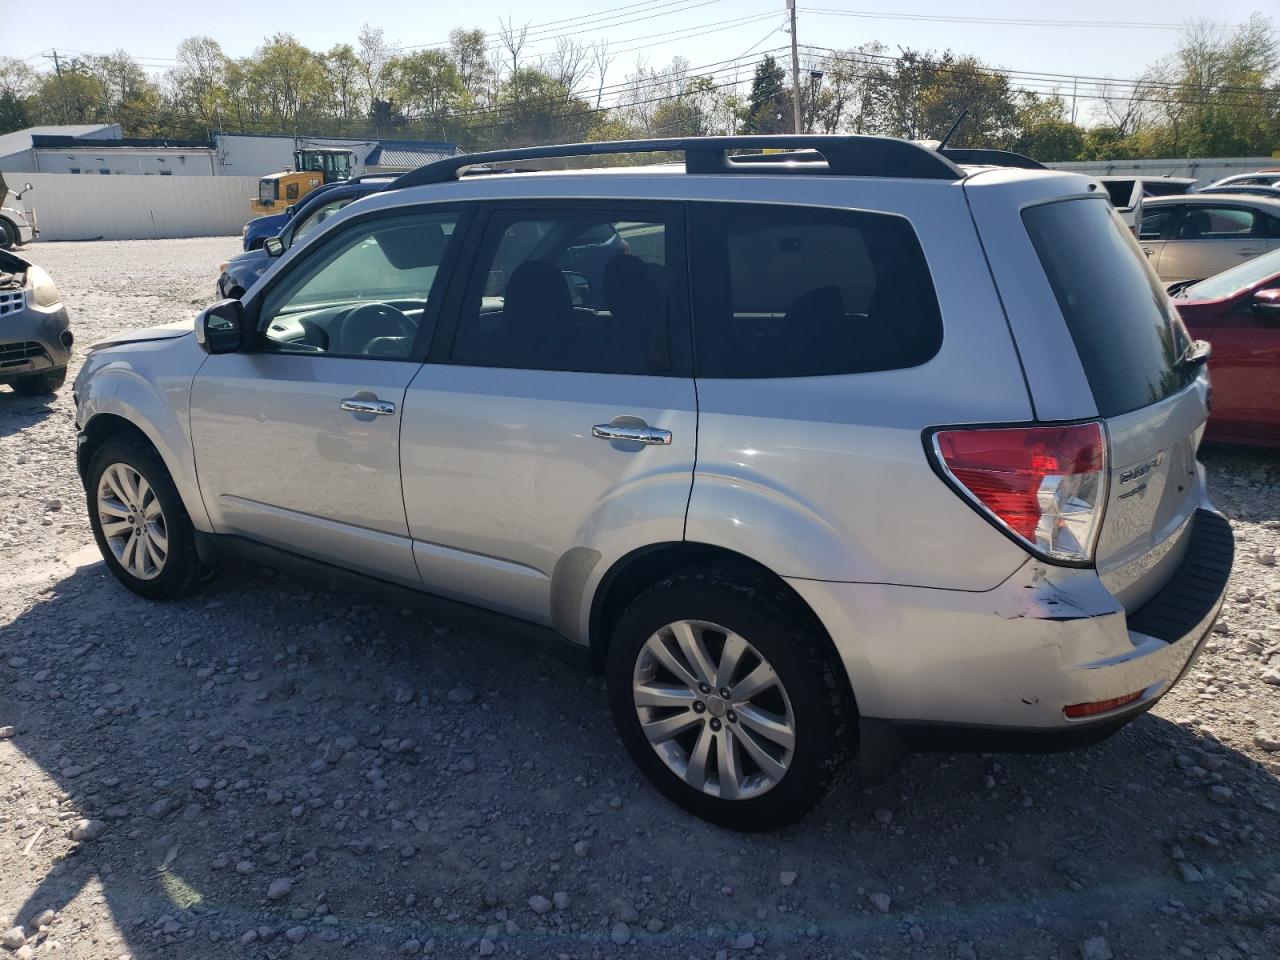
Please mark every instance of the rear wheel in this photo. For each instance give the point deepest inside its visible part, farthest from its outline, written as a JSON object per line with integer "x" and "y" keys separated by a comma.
{"x": 38, "y": 384}
{"x": 8, "y": 235}
{"x": 139, "y": 521}
{"x": 724, "y": 691}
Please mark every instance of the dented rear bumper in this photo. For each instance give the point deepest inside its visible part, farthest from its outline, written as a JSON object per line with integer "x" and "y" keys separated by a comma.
{"x": 942, "y": 669}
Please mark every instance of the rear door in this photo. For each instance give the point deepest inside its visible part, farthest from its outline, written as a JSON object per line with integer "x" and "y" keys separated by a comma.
{"x": 1129, "y": 340}
{"x": 1211, "y": 238}
{"x": 554, "y": 429}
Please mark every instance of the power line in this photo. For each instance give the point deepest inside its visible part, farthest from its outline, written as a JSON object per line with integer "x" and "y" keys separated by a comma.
{"x": 993, "y": 21}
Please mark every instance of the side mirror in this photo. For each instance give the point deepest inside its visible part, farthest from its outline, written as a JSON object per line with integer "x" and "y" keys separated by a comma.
{"x": 290, "y": 210}
{"x": 27, "y": 186}
{"x": 219, "y": 328}
{"x": 1266, "y": 304}
{"x": 274, "y": 246}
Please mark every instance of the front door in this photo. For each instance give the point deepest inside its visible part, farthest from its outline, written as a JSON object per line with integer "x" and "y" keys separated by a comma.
{"x": 558, "y": 430}
{"x": 297, "y": 438}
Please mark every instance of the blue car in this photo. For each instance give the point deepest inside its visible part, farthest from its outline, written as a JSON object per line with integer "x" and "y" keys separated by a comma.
{"x": 241, "y": 272}
{"x": 257, "y": 230}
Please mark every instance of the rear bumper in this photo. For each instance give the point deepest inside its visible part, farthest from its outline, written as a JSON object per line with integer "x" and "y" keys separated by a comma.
{"x": 951, "y": 670}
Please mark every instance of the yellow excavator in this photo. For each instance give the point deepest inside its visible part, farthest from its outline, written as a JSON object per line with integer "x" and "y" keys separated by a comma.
{"x": 312, "y": 167}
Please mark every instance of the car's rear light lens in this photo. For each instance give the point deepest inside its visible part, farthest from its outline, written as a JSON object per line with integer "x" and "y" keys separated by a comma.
{"x": 1044, "y": 485}
{"x": 1095, "y": 707}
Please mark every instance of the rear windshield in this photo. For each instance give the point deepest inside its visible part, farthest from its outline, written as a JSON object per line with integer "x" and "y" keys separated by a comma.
{"x": 1125, "y": 329}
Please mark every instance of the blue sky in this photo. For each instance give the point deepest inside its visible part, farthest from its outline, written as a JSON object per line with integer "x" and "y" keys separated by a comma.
{"x": 1086, "y": 39}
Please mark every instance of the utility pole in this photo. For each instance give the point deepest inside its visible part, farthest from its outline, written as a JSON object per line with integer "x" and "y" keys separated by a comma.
{"x": 1074, "y": 83}
{"x": 62, "y": 90}
{"x": 795, "y": 69}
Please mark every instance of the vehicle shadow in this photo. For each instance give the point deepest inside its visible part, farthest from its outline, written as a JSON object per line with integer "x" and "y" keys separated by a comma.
{"x": 20, "y": 412}
{"x": 279, "y": 771}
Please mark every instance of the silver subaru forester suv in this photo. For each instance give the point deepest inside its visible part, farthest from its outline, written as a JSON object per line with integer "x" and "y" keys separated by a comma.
{"x": 849, "y": 450}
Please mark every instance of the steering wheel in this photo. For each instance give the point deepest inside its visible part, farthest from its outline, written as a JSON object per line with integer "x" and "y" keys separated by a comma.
{"x": 367, "y": 322}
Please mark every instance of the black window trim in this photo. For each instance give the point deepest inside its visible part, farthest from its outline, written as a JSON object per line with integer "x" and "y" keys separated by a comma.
{"x": 431, "y": 318}
{"x": 1176, "y": 211}
{"x": 670, "y": 212}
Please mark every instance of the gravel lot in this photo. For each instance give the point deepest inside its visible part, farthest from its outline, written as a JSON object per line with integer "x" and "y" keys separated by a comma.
{"x": 267, "y": 771}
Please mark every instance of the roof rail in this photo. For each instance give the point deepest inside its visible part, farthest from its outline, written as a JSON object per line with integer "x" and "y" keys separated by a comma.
{"x": 991, "y": 158}
{"x": 851, "y": 156}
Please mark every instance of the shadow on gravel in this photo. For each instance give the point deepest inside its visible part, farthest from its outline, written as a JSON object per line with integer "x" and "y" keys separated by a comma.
{"x": 265, "y": 770}
{"x": 19, "y": 412}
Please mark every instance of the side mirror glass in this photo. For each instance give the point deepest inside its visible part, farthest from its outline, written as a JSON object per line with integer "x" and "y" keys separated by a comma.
{"x": 1266, "y": 304}
{"x": 219, "y": 328}
{"x": 274, "y": 246}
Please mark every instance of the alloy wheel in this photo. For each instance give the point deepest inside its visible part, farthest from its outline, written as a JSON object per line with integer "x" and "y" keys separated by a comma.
{"x": 714, "y": 710}
{"x": 132, "y": 521}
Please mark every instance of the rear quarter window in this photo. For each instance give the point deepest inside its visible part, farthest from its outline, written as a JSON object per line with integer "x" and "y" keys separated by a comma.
{"x": 1125, "y": 329}
{"x": 781, "y": 291}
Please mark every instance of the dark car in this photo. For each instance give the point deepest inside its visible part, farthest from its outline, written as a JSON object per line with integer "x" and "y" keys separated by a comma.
{"x": 35, "y": 342}
{"x": 240, "y": 273}
{"x": 1238, "y": 311}
{"x": 257, "y": 230}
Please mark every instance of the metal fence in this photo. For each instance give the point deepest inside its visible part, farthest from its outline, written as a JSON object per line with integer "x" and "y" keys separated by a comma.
{"x": 94, "y": 207}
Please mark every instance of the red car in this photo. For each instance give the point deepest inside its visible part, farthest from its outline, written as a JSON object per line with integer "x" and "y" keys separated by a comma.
{"x": 1238, "y": 312}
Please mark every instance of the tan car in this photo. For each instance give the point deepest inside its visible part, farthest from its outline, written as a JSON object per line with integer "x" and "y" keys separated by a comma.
{"x": 1198, "y": 235}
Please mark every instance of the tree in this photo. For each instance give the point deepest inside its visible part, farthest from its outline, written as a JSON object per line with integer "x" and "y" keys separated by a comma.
{"x": 427, "y": 84}
{"x": 769, "y": 105}
{"x": 374, "y": 56}
{"x": 18, "y": 82}
{"x": 1044, "y": 130}
{"x": 470, "y": 58}
{"x": 198, "y": 84}
{"x": 343, "y": 75}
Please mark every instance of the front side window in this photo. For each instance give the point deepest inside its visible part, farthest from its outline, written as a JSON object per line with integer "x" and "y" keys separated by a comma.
{"x": 574, "y": 290}
{"x": 365, "y": 293}
{"x": 1204, "y": 222}
{"x": 1155, "y": 222}
{"x": 782, "y": 291}
{"x": 319, "y": 216}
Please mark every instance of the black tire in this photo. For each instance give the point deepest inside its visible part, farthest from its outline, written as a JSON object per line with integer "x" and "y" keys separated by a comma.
{"x": 8, "y": 235}
{"x": 39, "y": 384}
{"x": 182, "y": 570}
{"x": 788, "y": 637}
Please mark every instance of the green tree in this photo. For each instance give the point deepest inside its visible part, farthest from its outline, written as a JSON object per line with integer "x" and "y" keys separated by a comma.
{"x": 1044, "y": 130}
{"x": 768, "y": 107}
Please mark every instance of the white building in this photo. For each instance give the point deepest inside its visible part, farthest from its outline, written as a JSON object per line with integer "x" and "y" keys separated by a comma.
{"x": 17, "y": 150}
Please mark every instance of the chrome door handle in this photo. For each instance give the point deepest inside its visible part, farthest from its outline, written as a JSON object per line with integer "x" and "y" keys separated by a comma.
{"x": 609, "y": 431}
{"x": 1148, "y": 251}
{"x": 381, "y": 408}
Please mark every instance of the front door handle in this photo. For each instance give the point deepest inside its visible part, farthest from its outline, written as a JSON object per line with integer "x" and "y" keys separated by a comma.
{"x": 1148, "y": 251}
{"x": 635, "y": 434}
{"x": 381, "y": 408}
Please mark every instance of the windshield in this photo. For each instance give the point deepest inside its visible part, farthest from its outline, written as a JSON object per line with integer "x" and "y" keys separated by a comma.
{"x": 1240, "y": 277}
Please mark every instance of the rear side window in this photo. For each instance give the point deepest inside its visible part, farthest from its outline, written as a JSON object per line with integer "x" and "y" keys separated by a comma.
{"x": 1126, "y": 331}
{"x": 1203, "y": 222}
{"x": 782, "y": 291}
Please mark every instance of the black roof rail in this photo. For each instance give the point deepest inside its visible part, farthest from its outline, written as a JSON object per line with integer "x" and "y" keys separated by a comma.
{"x": 991, "y": 158}
{"x": 852, "y": 156}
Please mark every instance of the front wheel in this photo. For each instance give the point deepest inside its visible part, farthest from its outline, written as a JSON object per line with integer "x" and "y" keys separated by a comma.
{"x": 725, "y": 694}
{"x": 8, "y": 235}
{"x": 139, "y": 521}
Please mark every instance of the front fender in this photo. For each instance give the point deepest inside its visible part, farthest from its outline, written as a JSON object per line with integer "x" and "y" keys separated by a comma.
{"x": 149, "y": 385}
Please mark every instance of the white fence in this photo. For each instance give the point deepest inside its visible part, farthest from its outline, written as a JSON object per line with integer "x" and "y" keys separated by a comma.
{"x": 71, "y": 207}
{"x": 1204, "y": 169}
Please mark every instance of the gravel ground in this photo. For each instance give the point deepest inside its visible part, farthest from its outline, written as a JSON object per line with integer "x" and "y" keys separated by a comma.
{"x": 265, "y": 770}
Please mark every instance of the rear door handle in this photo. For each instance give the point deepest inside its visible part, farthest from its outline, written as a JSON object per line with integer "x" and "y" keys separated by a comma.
{"x": 636, "y": 434}
{"x": 1148, "y": 251}
{"x": 381, "y": 408}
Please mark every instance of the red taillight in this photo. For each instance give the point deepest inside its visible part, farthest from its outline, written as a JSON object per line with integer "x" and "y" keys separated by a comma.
{"x": 1095, "y": 707}
{"x": 1043, "y": 484}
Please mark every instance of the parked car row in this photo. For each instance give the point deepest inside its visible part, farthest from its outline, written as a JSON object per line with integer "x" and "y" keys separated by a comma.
{"x": 863, "y": 452}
